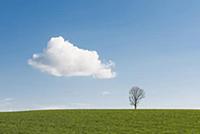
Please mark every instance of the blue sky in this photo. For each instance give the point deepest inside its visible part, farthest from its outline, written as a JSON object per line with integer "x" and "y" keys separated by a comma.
{"x": 154, "y": 45}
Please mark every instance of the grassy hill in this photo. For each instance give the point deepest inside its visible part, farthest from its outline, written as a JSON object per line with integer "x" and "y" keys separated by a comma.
{"x": 101, "y": 122}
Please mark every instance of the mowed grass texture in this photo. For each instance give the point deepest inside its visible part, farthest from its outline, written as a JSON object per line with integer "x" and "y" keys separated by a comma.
{"x": 101, "y": 122}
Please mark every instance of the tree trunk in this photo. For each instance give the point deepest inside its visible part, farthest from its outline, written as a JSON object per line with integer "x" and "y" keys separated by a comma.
{"x": 135, "y": 106}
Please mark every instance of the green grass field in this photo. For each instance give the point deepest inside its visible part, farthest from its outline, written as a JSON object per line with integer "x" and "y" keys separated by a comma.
{"x": 101, "y": 122}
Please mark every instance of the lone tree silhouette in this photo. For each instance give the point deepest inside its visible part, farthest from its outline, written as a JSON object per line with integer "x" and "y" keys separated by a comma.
{"x": 135, "y": 95}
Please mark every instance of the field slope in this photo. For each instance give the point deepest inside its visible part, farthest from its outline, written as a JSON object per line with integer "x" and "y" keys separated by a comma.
{"x": 101, "y": 122}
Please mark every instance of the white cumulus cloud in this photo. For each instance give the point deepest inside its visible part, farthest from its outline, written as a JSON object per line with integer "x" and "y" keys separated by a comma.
{"x": 62, "y": 58}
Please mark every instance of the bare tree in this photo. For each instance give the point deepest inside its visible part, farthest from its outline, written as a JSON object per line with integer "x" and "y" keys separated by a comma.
{"x": 135, "y": 95}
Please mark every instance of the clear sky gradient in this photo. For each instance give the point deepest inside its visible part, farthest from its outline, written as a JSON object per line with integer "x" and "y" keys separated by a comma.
{"x": 154, "y": 44}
